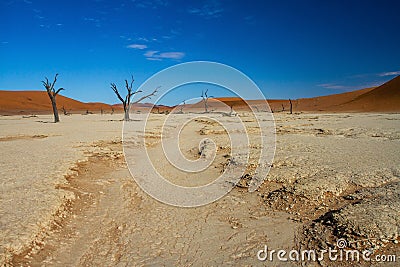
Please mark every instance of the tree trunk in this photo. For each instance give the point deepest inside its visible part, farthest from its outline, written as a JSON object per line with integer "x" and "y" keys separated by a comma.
{"x": 126, "y": 111}
{"x": 55, "y": 110}
{"x": 291, "y": 106}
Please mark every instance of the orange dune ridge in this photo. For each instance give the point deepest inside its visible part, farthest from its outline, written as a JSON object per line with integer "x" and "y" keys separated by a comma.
{"x": 38, "y": 102}
{"x": 384, "y": 98}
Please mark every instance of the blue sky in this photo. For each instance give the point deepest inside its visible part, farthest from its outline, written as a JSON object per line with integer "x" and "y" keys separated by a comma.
{"x": 290, "y": 49}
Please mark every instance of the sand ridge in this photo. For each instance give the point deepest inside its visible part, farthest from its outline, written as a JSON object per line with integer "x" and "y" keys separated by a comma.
{"x": 384, "y": 98}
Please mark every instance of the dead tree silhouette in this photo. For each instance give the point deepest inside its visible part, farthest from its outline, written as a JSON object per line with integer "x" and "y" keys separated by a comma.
{"x": 52, "y": 95}
{"x": 126, "y": 102}
{"x": 205, "y": 98}
{"x": 65, "y": 112}
{"x": 182, "y": 106}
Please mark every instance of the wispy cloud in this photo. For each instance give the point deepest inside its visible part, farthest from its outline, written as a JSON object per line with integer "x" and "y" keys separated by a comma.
{"x": 348, "y": 88}
{"x": 143, "y": 39}
{"x": 95, "y": 21}
{"x": 374, "y": 74}
{"x": 150, "y": 4}
{"x": 332, "y": 86}
{"x": 211, "y": 9}
{"x": 250, "y": 20}
{"x": 389, "y": 73}
{"x": 156, "y": 55}
{"x": 137, "y": 46}
{"x": 359, "y": 81}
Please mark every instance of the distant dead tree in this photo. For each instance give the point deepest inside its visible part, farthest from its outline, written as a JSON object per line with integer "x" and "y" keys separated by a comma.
{"x": 205, "y": 98}
{"x": 126, "y": 102}
{"x": 283, "y": 107}
{"x": 52, "y": 95}
{"x": 291, "y": 106}
{"x": 231, "y": 112}
{"x": 64, "y": 111}
{"x": 112, "y": 111}
{"x": 101, "y": 111}
{"x": 182, "y": 106}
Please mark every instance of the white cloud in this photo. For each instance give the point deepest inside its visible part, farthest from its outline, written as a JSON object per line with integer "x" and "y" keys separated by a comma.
{"x": 143, "y": 39}
{"x": 156, "y": 55}
{"x": 150, "y": 53}
{"x": 137, "y": 46}
{"x": 390, "y": 73}
{"x": 172, "y": 55}
{"x": 332, "y": 86}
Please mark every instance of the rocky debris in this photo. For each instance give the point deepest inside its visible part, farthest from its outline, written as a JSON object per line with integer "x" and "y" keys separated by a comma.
{"x": 375, "y": 216}
{"x": 316, "y": 186}
{"x": 207, "y": 131}
{"x": 244, "y": 181}
{"x": 207, "y": 148}
{"x": 319, "y": 189}
{"x": 375, "y": 178}
{"x": 370, "y": 221}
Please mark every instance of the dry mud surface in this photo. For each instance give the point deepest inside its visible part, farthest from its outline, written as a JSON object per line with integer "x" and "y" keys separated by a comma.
{"x": 68, "y": 199}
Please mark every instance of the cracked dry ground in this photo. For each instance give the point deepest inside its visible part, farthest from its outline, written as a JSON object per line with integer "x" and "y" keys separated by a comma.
{"x": 334, "y": 176}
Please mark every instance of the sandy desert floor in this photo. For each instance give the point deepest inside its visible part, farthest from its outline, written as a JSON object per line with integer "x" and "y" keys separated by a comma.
{"x": 67, "y": 197}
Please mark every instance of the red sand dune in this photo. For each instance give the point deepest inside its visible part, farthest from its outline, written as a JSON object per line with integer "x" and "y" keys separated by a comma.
{"x": 38, "y": 102}
{"x": 384, "y": 98}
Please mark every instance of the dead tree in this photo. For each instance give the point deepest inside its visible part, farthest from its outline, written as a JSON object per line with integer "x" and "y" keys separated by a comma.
{"x": 52, "y": 95}
{"x": 231, "y": 112}
{"x": 126, "y": 102}
{"x": 283, "y": 108}
{"x": 291, "y": 106}
{"x": 112, "y": 111}
{"x": 182, "y": 106}
{"x": 205, "y": 100}
{"x": 64, "y": 110}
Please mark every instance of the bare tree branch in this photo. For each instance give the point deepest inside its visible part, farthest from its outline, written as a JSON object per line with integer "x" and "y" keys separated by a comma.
{"x": 126, "y": 102}
{"x": 205, "y": 97}
{"x": 147, "y": 96}
{"x": 115, "y": 89}
{"x": 61, "y": 89}
{"x": 54, "y": 82}
{"x": 46, "y": 84}
{"x": 132, "y": 81}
